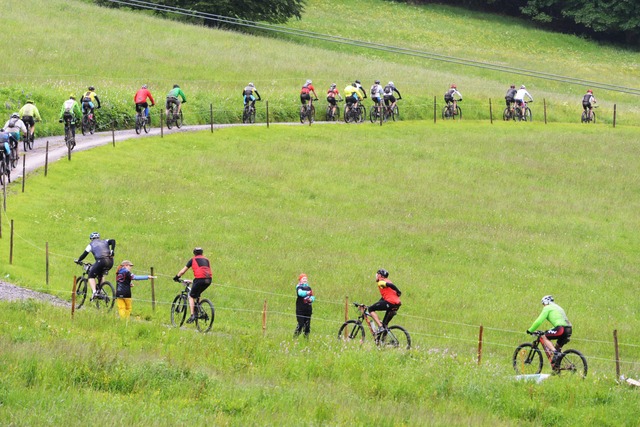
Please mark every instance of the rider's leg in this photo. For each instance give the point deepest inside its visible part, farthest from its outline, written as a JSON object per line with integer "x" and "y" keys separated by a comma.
{"x": 375, "y": 317}
{"x": 92, "y": 283}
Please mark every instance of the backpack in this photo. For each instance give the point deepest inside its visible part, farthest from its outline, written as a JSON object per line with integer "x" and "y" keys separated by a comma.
{"x": 388, "y": 90}
{"x": 587, "y": 98}
{"x": 12, "y": 122}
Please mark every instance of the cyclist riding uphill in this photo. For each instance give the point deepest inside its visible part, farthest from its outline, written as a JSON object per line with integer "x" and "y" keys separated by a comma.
{"x": 332, "y": 93}
{"x": 588, "y": 100}
{"x": 71, "y": 111}
{"x": 363, "y": 93}
{"x": 449, "y": 97}
{"x": 352, "y": 95}
{"x": 519, "y": 97}
{"x": 509, "y": 96}
{"x": 390, "y": 300}
{"x": 30, "y": 115}
{"x": 140, "y": 98}
{"x": 377, "y": 92}
{"x": 102, "y": 250}
{"x": 305, "y": 93}
{"x": 201, "y": 278}
{"x": 249, "y": 94}
{"x": 389, "y": 99}
{"x": 88, "y": 101}
{"x": 173, "y": 97}
{"x": 13, "y": 127}
{"x": 552, "y": 312}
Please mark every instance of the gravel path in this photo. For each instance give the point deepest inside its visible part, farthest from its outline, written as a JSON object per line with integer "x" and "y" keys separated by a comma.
{"x": 9, "y": 292}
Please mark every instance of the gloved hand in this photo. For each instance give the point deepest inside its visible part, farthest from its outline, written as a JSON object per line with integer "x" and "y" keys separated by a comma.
{"x": 76, "y": 261}
{"x": 111, "y": 253}
{"x": 310, "y": 293}
{"x": 59, "y": 120}
{"x": 176, "y": 278}
{"x": 530, "y": 333}
{"x": 399, "y": 293}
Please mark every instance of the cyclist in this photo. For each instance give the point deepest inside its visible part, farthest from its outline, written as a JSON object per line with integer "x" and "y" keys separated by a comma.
{"x": 351, "y": 96}
{"x": 449, "y": 97}
{"x": 508, "y": 98}
{"x": 88, "y": 101}
{"x": 587, "y": 102}
{"x": 331, "y": 97}
{"x": 201, "y": 278}
{"x": 30, "y": 115}
{"x": 377, "y": 93}
{"x": 304, "y": 309}
{"x": 71, "y": 111}
{"x": 363, "y": 93}
{"x": 124, "y": 285}
{"x": 102, "y": 250}
{"x": 173, "y": 97}
{"x": 561, "y": 330}
{"x": 249, "y": 94}
{"x": 390, "y": 301}
{"x": 140, "y": 98}
{"x": 519, "y": 98}
{"x": 13, "y": 127}
{"x": 305, "y": 93}
{"x": 389, "y": 99}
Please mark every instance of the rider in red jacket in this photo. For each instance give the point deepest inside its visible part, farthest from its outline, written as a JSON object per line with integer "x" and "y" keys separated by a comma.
{"x": 140, "y": 98}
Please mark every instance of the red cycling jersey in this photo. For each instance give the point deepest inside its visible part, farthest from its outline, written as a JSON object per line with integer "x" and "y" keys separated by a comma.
{"x": 141, "y": 96}
{"x": 200, "y": 266}
{"x": 387, "y": 292}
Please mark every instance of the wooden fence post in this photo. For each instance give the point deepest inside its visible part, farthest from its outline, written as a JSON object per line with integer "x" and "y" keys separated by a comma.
{"x": 153, "y": 292}
{"x": 615, "y": 114}
{"x": 267, "y": 105}
{"x": 490, "y": 112}
{"x": 11, "y": 244}
{"x": 46, "y": 159}
{"x": 480, "y": 345}
{"x": 264, "y": 318}
{"x": 24, "y": 168}
{"x": 435, "y": 109}
{"x": 615, "y": 343}
{"x": 46, "y": 269}
{"x": 73, "y": 296}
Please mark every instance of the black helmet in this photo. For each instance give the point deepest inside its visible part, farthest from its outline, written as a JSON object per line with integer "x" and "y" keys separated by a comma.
{"x": 377, "y": 82}
{"x": 92, "y": 88}
{"x": 175, "y": 86}
{"x": 358, "y": 81}
{"x": 384, "y": 273}
{"x": 198, "y": 251}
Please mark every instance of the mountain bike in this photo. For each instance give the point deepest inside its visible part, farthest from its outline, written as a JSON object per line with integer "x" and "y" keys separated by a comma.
{"x": 523, "y": 114}
{"x": 27, "y": 138}
{"x": 308, "y": 112}
{"x": 393, "y": 336}
{"x": 589, "y": 118}
{"x": 249, "y": 112}
{"x": 354, "y": 115}
{"x": 527, "y": 358}
{"x": 391, "y": 113}
{"x": 374, "y": 113}
{"x": 142, "y": 122}
{"x": 333, "y": 114}
{"x": 203, "y": 309}
{"x": 5, "y": 169}
{"x": 448, "y": 112}
{"x": 88, "y": 123}
{"x": 173, "y": 117}
{"x": 509, "y": 113}
{"x": 69, "y": 139}
{"x": 105, "y": 295}
{"x": 13, "y": 157}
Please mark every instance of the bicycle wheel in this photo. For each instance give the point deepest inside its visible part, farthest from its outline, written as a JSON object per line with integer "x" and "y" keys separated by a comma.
{"x": 105, "y": 297}
{"x": 252, "y": 116}
{"x": 362, "y": 113}
{"x": 146, "y": 124}
{"x": 573, "y": 362}
{"x": 583, "y": 118}
{"x": 518, "y": 114}
{"x": 373, "y": 115}
{"x": 327, "y": 115}
{"x": 14, "y": 157}
{"x": 81, "y": 291}
{"x": 347, "y": 114}
{"x": 2, "y": 170}
{"x": 170, "y": 119}
{"x": 30, "y": 138}
{"x": 351, "y": 330}
{"x": 396, "y": 337}
{"x": 527, "y": 360}
{"x": 312, "y": 114}
{"x": 25, "y": 138}
{"x": 303, "y": 113}
{"x": 506, "y": 114}
{"x": 84, "y": 124}
{"x": 206, "y": 315}
{"x": 395, "y": 113}
{"x": 527, "y": 115}
{"x": 458, "y": 112}
{"x": 446, "y": 113}
{"x": 179, "y": 309}
{"x": 593, "y": 117}
{"x": 92, "y": 125}
{"x": 138, "y": 124}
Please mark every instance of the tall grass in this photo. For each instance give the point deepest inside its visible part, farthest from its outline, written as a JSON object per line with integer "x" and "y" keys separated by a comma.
{"x": 117, "y": 51}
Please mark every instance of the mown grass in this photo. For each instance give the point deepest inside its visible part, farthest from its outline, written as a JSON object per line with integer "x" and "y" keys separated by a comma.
{"x": 474, "y": 230}
{"x": 213, "y": 66}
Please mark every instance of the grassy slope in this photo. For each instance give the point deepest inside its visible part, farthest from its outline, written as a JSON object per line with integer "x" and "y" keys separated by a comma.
{"x": 213, "y": 66}
{"x": 474, "y": 231}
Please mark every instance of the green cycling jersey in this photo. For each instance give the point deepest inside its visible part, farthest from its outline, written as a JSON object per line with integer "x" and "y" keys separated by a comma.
{"x": 554, "y": 314}
{"x": 177, "y": 92}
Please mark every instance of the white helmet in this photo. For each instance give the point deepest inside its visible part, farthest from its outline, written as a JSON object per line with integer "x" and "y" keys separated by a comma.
{"x": 391, "y": 84}
{"x": 251, "y": 84}
{"x": 308, "y": 82}
{"x": 522, "y": 87}
{"x": 547, "y": 299}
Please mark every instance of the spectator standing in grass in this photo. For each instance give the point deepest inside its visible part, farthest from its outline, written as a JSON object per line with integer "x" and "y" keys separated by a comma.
{"x": 124, "y": 285}
{"x": 303, "y": 306}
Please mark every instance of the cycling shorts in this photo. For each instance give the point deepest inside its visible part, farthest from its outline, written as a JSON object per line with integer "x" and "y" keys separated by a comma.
{"x": 172, "y": 100}
{"x": 101, "y": 267}
{"x": 560, "y": 333}
{"x": 87, "y": 105}
{"x": 251, "y": 98}
{"x": 585, "y": 105}
{"x": 376, "y": 99}
{"x": 520, "y": 102}
{"x": 389, "y": 99}
{"x": 28, "y": 120}
{"x": 304, "y": 97}
{"x": 447, "y": 98}
{"x": 198, "y": 287}
{"x": 391, "y": 310}
{"x": 331, "y": 100}
{"x": 351, "y": 100}
{"x": 141, "y": 106}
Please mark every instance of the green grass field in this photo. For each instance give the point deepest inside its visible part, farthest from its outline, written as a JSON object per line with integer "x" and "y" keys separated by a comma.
{"x": 475, "y": 222}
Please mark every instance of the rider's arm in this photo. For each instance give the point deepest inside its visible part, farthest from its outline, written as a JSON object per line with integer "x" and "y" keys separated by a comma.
{"x": 97, "y": 100}
{"x": 36, "y": 114}
{"x": 112, "y": 245}
{"x": 83, "y": 256}
{"x": 543, "y": 316}
{"x": 398, "y": 92}
{"x": 394, "y": 287}
{"x": 153, "y": 102}
{"x": 76, "y": 110}
{"x": 259, "y": 97}
{"x": 181, "y": 93}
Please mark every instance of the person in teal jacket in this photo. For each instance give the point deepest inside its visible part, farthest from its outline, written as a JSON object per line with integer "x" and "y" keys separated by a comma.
{"x": 174, "y": 97}
{"x": 552, "y": 312}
